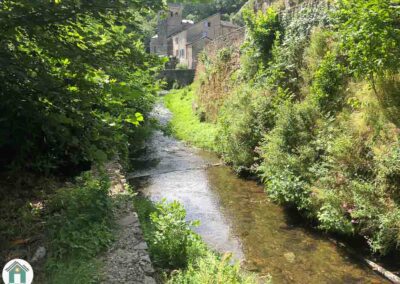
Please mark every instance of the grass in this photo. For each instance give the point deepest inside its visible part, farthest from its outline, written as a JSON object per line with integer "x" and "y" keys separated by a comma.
{"x": 72, "y": 220}
{"x": 185, "y": 124}
{"x": 79, "y": 226}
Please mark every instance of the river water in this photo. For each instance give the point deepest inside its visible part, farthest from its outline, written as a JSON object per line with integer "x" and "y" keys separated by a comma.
{"x": 236, "y": 215}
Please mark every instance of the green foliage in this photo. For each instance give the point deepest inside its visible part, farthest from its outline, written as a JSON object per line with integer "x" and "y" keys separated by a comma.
{"x": 288, "y": 155}
{"x": 80, "y": 218}
{"x": 213, "y": 269}
{"x": 300, "y": 111}
{"x": 185, "y": 124}
{"x": 76, "y": 81}
{"x": 173, "y": 245}
{"x": 369, "y": 36}
{"x": 237, "y": 135}
{"x": 79, "y": 226}
{"x": 263, "y": 29}
{"x": 287, "y": 51}
{"x": 328, "y": 83}
{"x": 173, "y": 242}
{"x": 243, "y": 121}
{"x": 75, "y": 272}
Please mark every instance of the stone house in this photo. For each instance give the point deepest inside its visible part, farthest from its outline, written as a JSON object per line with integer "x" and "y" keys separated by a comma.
{"x": 183, "y": 39}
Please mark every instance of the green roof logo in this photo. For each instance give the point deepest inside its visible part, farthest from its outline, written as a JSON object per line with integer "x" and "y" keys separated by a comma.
{"x": 17, "y": 271}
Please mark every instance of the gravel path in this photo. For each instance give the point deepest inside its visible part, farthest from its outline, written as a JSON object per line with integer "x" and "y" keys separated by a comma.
{"x": 127, "y": 261}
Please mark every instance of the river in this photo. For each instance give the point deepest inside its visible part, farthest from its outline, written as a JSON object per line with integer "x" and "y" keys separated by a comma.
{"x": 236, "y": 215}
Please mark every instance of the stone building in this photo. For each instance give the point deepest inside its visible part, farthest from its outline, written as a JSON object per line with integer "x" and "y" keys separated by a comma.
{"x": 183, "y": 39}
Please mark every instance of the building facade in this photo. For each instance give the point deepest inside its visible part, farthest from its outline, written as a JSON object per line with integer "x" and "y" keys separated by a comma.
{"x": 184, "y": 40}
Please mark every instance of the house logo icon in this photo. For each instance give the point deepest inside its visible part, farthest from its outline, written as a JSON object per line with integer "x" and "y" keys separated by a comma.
{"x": 17, "y": 271}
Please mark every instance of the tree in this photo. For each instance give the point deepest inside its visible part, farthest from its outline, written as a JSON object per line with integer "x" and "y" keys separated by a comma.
{"x": 370, "y": 36}
{"x": 75, "y": 80}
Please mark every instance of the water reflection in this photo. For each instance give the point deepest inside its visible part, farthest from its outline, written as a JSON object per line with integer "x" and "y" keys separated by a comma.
{"x": 272, "y": 245}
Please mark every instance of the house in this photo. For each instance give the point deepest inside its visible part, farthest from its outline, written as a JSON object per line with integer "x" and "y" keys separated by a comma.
{"x": 17, "y": 273}
{"x": 183, "y": 39}
{"x": 169, "y": 23}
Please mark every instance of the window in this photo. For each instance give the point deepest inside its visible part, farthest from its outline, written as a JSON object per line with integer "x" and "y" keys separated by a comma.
{"x": 209, "y": 24}
{"x": 172, "y": 14}
{"x": 182, "y": 53}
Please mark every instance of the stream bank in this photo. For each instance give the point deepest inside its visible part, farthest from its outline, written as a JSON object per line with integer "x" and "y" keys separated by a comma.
{"x": 237, "y": 216}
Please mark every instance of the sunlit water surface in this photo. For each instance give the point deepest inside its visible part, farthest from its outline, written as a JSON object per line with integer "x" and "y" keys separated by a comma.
{"x": 236, "y": 216}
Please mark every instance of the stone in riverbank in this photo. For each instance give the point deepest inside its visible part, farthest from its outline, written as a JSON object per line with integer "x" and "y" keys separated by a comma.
{"x": 127, "y": 261}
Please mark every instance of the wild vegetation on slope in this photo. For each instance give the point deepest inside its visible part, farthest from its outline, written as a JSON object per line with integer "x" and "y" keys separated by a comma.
{"x": 314, "y": 112}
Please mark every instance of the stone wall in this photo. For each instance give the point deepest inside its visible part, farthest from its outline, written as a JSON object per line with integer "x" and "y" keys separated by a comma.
{"x": 182, "y": 77}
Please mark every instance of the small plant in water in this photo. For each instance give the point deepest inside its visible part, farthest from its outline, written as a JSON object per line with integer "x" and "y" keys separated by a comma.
{"x": 172, "y": 241}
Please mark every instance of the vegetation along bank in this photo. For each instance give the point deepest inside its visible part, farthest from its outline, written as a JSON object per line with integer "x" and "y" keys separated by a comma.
{"x": 77, "y": 89}
{"x": 309, "y": 103}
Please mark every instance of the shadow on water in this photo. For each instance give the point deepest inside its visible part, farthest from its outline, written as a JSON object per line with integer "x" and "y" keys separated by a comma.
{"x": 236, "y": 216}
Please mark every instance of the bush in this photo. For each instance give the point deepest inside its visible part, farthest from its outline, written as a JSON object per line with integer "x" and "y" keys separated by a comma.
{"x": 328, "y": 84}
{"x": 369, "y": 36}
{"x": 213, "y": 269}
{"x": 263, "y": 29}
{"x": 237, "y": 131}
{"x": 288, "y": 155}
{"x": 243, "y": 121}
{"x": 176, "y": 248}
{"x": 172, "y": 243}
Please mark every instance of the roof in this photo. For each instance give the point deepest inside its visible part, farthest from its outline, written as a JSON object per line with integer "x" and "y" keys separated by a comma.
{"x": 206, "y": 19}
{"x": 15, "y": 263}
{"x": 192, "y": 26}
{"x": 198, "y": 39}
{"x": 229, "y": 24}
{"x": 178, "y": 32}
{"x": 184, "y": 21}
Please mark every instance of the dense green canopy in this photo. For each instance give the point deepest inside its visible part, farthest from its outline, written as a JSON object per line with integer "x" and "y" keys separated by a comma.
{"x": 75, "y": 80}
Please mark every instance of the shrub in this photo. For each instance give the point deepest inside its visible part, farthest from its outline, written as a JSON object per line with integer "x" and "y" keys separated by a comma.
{"x": 288, "y": 155}
{"x": 238, "y": 135}
{"x": 243, "y": 121}
{"x": 328, "y": 84}
{"x": 369, "y": 36}
{"x": 172, "y": 242}
{"x": 213, "y": 269}
{"x": 263, "y": 29}
{"x": 173, "y": 245}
